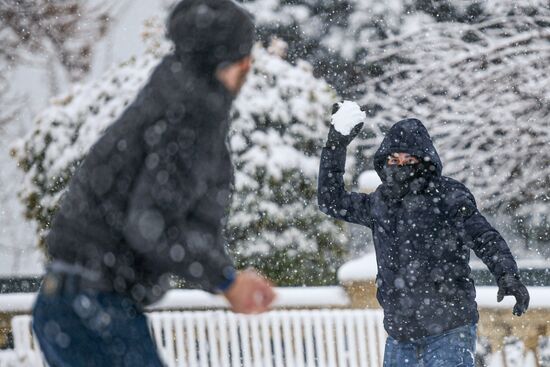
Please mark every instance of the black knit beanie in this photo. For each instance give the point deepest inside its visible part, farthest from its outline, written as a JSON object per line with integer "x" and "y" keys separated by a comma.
{"x": 211, "y": 32}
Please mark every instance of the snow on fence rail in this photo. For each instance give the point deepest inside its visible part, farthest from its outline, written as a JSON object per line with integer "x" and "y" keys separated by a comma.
{"x": 287, "y": 297}
{"x": 300, "y": 338}
{"x": 215, "y": 327}
{"x": 187, "y": 299}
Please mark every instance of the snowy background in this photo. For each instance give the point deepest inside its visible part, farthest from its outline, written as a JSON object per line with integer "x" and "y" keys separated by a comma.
{"x": 30, "y": 85}
{"x": 476, "y": 72}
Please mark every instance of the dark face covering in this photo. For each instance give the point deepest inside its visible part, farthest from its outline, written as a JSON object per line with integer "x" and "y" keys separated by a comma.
{"x": 399, "y": 179}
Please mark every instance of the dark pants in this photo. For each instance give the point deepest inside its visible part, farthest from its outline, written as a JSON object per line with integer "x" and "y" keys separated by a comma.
{"x": 77, "y": 327}
{"x": 453, "y": 348}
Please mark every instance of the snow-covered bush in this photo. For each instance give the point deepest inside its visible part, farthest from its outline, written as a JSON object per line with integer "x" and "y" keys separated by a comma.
{"x": 279, "y": 124}
{"x": 278, "y": 130}
{"x": 66, "y": 130}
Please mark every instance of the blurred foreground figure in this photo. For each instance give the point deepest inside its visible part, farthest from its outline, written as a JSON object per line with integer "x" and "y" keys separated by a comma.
{"x": 149, "y": 201}
{"x": 424, "y": 225}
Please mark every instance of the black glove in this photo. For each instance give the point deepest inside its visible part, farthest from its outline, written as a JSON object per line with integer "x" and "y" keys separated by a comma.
{"x": 510, "y": 285}
{"x": 335, "y": 139}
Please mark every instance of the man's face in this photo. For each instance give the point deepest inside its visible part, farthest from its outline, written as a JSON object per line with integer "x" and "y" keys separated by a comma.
{"x": 244, "y": 68}
{"x": 401, "y": 159}
{"x": 234, "y": 75}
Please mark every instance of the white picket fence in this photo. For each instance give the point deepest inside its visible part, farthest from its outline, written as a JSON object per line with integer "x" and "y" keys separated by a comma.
{"x": 297, "y": 338}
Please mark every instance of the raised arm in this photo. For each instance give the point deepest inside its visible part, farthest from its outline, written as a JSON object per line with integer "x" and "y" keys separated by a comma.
{"x": 332, "y": 197}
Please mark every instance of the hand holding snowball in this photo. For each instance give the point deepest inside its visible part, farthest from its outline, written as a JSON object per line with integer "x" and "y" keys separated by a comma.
{"x": 347, "y": 121}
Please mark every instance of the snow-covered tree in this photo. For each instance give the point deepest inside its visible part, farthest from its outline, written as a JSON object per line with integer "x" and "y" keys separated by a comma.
{"x": 335, "y": 36}
{"x": 9, "y": 102}
{"x": 64, "y": 30}
{"x": 55, "y": 40}
{"x": 331, "y": 35}
{"x": 276, "y": 137}
{"x": 475, "y": 71}
{"x": 67, "y": 129}
{"x": 278, "y": 128}
{"x": 483, "y": 89}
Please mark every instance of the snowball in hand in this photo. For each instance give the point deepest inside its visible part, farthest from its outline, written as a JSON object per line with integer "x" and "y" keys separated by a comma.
{"x": 347, "y": 117}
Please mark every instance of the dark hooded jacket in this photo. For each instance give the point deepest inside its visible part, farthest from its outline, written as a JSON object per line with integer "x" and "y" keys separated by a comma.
{"x": 422, "y": 236}
{"x": 150, "y": 198}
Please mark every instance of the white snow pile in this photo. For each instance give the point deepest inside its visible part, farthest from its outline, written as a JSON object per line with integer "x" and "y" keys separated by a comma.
{"x": 347, "y": 117}
{"x": 361, "y": 269}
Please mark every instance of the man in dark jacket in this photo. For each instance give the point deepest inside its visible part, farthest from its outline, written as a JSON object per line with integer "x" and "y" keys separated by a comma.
{"x": 424, "y": 225}
{"x": 149, "y": 201}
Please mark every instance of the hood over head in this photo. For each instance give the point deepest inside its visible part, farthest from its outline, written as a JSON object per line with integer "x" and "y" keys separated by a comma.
{"x": 209, "y": 33}
{"x": 407, "y": 136}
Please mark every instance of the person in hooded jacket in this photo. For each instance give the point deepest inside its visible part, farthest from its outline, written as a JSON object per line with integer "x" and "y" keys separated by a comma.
{"x": 424, "y": 225}
{"x": 149, "y": 201}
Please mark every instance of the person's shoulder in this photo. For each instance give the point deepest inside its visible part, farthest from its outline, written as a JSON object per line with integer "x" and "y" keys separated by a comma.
{"x": 450, "y": 184}
{"x": 378, "y": 194}
{"x": 456, "y": 195}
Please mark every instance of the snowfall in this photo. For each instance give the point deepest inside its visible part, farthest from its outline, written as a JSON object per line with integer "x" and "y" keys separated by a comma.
{"x": 482, "y": 86}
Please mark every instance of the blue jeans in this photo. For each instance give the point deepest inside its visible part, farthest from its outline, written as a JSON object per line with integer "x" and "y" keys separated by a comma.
{"x": 453, "y": 348}
{"x": 90, "y": 328}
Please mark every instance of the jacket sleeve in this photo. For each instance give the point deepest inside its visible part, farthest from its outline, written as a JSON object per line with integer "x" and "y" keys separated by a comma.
{"x": 174, "y": 221}
{"x": 481, "y": 237}
{"x": 332, "y": 197}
